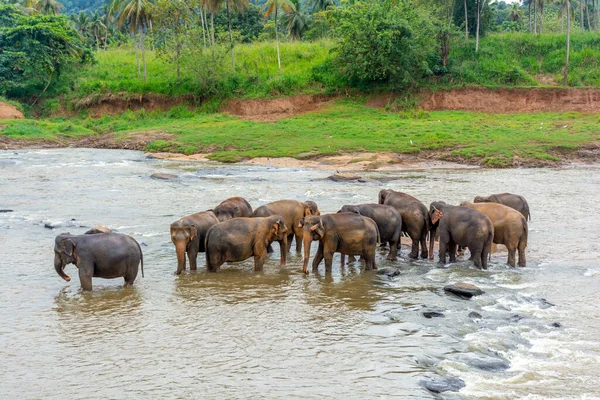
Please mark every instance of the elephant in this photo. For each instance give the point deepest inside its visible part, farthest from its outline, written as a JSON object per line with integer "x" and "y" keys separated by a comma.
{"x": 188, "y": 234}
{"x": 515, "y": 201}
{"x": 102, "y": 255}
{"x": 346, "y": 233}
{"x": 292, "y": 212}
{"x": 510, "y": 228}
{"x": 234, "y": 207}
{"x": 240, "y": 238}
{"x": 462, "y": 226}
{"x": 415, "y": 218}
{"x": 98, "y": 229}
{"x": 388, "y": 220}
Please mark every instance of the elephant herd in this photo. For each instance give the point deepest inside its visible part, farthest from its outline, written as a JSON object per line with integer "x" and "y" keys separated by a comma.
{"x": 233, "y": 231}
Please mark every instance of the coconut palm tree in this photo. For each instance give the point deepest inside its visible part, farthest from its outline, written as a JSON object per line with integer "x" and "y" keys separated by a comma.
{"x": 321, "y": 5}
{"x": 96, "y": 27}
{"x": 81, "y": 22}
{"x": 272, "y": 7}
{"x": 135, "y": 14}
{"x": 49, "y": 7}
{"x": 515, "y": 14}
{"x": 296, "y": 20}
{"x": 239, "y": 6}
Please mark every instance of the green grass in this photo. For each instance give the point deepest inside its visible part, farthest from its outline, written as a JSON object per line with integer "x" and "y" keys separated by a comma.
{"x": 42, "y": 129}
{"x": 345, "y": 126}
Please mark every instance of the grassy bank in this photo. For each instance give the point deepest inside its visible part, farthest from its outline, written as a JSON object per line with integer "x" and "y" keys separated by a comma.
{"x": 490, "y": 139}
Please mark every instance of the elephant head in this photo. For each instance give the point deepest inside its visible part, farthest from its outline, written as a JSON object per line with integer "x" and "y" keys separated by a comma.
{"x": 435, "y": 213}
{"x": 311, "y": 208}
{"x": 482, "y": 199}
{"x": 383, "y": 194}
{"x": 226, "y": 212}
{"x": 64, "y": 253}
{"x": 312, "y": 229}
{"x": 183, "y": 232}
{"x": 278, "y": 229}
{"x": 350, "y": 209}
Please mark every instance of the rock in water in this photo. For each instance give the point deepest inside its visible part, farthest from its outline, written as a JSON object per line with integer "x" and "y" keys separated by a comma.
{"x": 389, "y": 272}
{"x": 5, "y": 211}
{"x": 344, "y": 177}
{"x": 485, "y": 363}
{"x": 556, "y": 325}
{"x": 515, "y": 318}
{"x": 475, "y": 315}
{"x": 163, "y": 176}
{"x": 442, "y": 384}
{"x": 433, "y": 314}
{"x": 465, "y": 290}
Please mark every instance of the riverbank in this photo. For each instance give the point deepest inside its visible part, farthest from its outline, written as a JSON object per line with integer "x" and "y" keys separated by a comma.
{"x": 368, "y": 137}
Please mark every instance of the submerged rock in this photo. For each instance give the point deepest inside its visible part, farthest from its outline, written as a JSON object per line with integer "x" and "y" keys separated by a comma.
{"x": 485, "y": 363}
{"x": 344, "y": 177}
{"x": 389, "y": 272}
{"x": 5, "y": 211}
{"x": 515, "y": 318}
{"x": 163, "y": 176}
{"x": 433, "y": 314}
{"x": 465, "y": 290}
{"x": 442, "y": 384}
{"x": 544, "y": 303}
{"x": 556, "y": 325}
{"x": 475, "y": 315}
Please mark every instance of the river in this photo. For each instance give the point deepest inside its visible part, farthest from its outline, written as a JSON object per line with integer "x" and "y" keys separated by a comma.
{"x": 279, "y": 333}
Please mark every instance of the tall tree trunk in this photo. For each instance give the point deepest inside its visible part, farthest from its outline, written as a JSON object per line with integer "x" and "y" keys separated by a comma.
{"x": 566, "y": 69}
{"x": 581, "y": 15}
{"x": 45, "y": 88}
{"x": 212, "y": 29}
{"x": 466, "y": 21}
{"x": 597, "y": 14}
{"x": 137, "y": 57}
{"x": 97, "y": 41}
{"x": 277, "y": 41}
{"x": 587, "y": 13}
{"x": 562, "y": 23}
{"x": 477, "y": 26}
{"x": 529, "y": 14}
{"x": 541, "y": 16}
{"x": 230, "y": 36}
{"x": 535, "y": 17}
{"x": 142, "y": 37}
{"x": 202, "y": 13}
{"x": 106, "y": 36}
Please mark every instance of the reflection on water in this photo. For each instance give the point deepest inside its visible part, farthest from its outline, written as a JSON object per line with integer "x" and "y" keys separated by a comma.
{"x": 279, "y": 333}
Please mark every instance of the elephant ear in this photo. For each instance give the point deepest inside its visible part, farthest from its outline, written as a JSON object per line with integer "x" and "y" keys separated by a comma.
{"x": 307, "y": 210}
{"x": 301, "y": 223}
{"x": 436, "y": 215}
{"x": 278, "y": 227}
{"x": 318, "y": 228}
{"x": 193, "y": 232}
{"x": 382, "y": 194}
{"x": 68, "y": 247}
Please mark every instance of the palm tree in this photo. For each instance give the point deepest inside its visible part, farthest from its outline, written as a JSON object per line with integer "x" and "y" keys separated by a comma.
{"x": 96, "y": 26}
{"x": 80, "y": 23}
{"x": 541, "y": 3}
{"x": 466, "y": 21}
{"x": 566, "y": 69}
{"x": 49, "y": 7}
{"x": 239, "y": 6}
{"x": 213, "y": 6}
{"x": 296, "y": 21}
{"x": 562, "y": 12}
{"x": 322, "y": 5}
{"x": 515, "y": 14}
{"x": 136, "y": 15}
{"x": 272, "y": 7}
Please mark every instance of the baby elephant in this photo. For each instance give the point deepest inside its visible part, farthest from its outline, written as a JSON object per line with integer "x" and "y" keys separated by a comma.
{"x": 346, "y": 233}
{"x": 388, "y": 220}
{"x": 515, "y": 201}
{"x": 241, "y": 238}
{"x": 101, "y": 255}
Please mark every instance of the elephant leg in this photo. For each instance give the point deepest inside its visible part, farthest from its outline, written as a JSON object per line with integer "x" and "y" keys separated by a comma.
{"x": 342, "y": 259}
{"x": 452, "y": 251}
{"x": 393, "y": 251}
{"x": 423, "y": 242}
{"x": 289, "y": 239}
{"x": 487, "y": 250}
{"x": 442, "y": 251}
{"x": 259, "y": 261}
{"x": 131, "y": 272}
{"x": 192, "y": 254}
{"x": 298, "y": 244}
{"x": 283, "y": 245}
{"x": 522, "y": 259}
{"x": 414, "y": 252}
{"x": 270, "y": 248}
{"x": 328, "y": 255}
{"x": 85, "y": 276}
{"x": 318, "y": 257}
{"x": 511, "y": 257}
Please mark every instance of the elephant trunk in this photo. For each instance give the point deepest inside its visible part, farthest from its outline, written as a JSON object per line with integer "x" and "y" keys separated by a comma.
{"x": 431, "y": 240}
{"x": 59, "y": 266}
{"x": 180, "y": 248}
{"x": 307, "y": 240}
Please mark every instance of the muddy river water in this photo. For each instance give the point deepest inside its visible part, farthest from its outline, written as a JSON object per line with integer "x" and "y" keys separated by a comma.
{"x": 279, "y": 333}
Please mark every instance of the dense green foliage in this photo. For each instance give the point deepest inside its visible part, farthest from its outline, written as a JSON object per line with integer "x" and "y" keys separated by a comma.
{"x": 34, "y": 50}
{"x": 342, "y": 127}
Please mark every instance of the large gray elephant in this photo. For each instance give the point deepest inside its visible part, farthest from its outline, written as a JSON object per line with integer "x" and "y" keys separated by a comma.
{"x": 415, "y": 218}
{"x": 345, "y": 233}
{"x": 101, "y": 255}
{"x": 515, "y": 201}
{"x": 241, "y": 238}
{"x": 461, "y": 226}
{"x": 234, "y": 207}
{"x": 388, "y": 220}
{"x": 188, "y": 234}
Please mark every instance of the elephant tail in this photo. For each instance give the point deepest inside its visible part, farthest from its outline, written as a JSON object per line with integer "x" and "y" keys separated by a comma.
{"x": 527, "y": 211}
{"x": 524, "y": 236}
{"x": 141, "y": 256}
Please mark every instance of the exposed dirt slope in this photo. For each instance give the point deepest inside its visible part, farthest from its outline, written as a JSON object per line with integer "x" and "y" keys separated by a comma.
{"x": 514, "y": 100}
{"x": 9, "y": 112}
{"x": 268, "y": 110}
{"x": 114, "y": 104}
